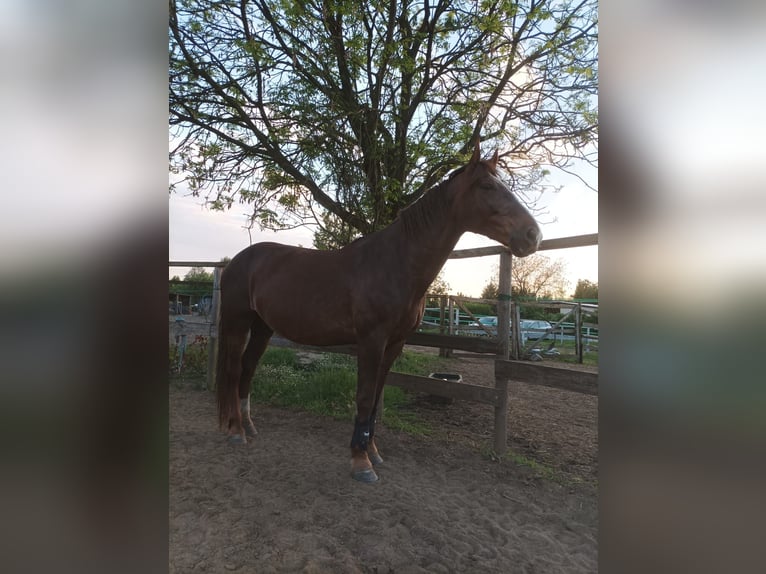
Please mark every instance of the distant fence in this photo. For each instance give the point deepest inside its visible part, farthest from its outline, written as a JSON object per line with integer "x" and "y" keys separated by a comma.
{"x": 454, "y": 318}
{"x": 504, "y": 345}
{"x": 213, "y": 314}
{"x": 466, "y": 324}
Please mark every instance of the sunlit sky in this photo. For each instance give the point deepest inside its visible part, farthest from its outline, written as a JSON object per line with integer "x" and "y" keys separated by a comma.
{"x": 199, "y": 234}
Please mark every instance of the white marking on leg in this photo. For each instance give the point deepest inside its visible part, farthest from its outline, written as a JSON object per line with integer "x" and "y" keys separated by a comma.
{"x": 244, "y": 407}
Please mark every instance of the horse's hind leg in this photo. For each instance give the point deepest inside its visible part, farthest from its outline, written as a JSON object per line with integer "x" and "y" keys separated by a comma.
{"x": 260, "y": 333}
{"x": 231, "y": 344}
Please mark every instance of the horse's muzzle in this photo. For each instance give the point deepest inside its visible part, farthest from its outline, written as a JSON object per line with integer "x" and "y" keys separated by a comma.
{"x": 526, "y": 242}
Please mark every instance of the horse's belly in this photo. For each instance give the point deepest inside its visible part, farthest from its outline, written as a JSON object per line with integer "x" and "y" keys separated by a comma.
{"x": 319, "y": 325}
{"x": 320, "y": 337}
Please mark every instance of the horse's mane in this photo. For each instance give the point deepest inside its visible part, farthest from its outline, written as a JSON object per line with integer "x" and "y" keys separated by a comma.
{"x": 430, "y": 209}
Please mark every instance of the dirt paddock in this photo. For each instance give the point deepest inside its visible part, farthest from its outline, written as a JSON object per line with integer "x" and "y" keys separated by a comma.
{"x": 285, "y": 502}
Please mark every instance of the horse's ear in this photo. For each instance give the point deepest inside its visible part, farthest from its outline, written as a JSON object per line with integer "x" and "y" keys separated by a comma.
{"x": 493, "y": 161}
{"x": 476, "y": 157}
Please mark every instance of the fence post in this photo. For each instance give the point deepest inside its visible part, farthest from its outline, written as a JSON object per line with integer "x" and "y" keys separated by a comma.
{"x": 504, "y": 340}
{"x": 516, "y": 331}
{"x": 442, "y": 317}
{"x": 212, "y": 349}
{"x": 450, "y": 326}
{"x": 504, "y": 306}
{"x": 578, "y": 331}
{"x": 442, "y": 304}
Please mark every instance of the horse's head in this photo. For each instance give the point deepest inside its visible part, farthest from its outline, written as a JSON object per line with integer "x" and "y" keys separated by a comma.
{"x": 487, "y": 206}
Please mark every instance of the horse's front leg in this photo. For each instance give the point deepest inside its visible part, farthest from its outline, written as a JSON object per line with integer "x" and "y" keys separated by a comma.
{"x": 369, "y": 357}
{"x": 372, "y": 448}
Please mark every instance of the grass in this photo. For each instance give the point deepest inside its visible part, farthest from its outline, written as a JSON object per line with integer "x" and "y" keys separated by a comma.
{"x": 539, "y": 469}
{"x": 327, "y": 386}
{"x": 280, "y": 357}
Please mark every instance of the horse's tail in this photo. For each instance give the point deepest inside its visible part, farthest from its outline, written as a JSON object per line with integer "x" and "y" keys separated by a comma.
{"x": 226, "y": 386}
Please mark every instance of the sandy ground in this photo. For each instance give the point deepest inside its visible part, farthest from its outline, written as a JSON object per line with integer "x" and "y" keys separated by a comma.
{"x": 285, "y": 502}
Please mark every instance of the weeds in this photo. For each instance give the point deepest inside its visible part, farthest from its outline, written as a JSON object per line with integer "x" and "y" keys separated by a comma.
{"x": 539, "y": 469}
{"x": 327, "y": 386}
{"x": 190, "y": 360}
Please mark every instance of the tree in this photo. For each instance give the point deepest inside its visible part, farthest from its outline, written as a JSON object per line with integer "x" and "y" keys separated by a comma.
{"x": 197, "y": 282}
{"x": 490, "y": 290}
{"x": 439, "y": 285}
{"x": 585, "y": 290}
{"x": 339, "y": 113}
{"x": 198, "y": 275}
{"x": 533, "y": 277}
{"x": 537, "y": 276}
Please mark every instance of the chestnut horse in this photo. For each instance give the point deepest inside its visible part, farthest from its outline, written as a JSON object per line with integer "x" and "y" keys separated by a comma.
{"x": 371, "y": 292}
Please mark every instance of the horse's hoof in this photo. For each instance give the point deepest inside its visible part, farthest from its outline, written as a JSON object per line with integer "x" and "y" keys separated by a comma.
{"x": 367, "y": 475}
{"x": 250, "y": 431}
{"x": 375, "y": 458}
{"x": 236, "y": 439}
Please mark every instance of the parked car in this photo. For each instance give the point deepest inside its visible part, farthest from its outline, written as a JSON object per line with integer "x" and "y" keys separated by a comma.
{"x": 530, "y": 328}
{"x": 488, "y": 322}
{"x": 534, "y": 329}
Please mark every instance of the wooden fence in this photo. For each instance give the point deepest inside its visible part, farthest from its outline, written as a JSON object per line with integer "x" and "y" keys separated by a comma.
{"x": 506, "y": 370}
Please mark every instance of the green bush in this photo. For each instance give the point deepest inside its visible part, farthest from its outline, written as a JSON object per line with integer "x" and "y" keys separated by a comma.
{"x": 536, "y": 313}
{"x": 480, "y": 309}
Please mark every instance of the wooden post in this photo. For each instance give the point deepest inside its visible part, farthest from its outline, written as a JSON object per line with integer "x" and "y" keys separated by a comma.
{"x": 212, "y": 350}
{"x": 516, "y": 334}
{"x": 504, "y": 306}
{"x": 442, "y": 305}
{"x": 450, "y": 326}
{"x": 578, "y": 332}
{"x": 503, "y": 349}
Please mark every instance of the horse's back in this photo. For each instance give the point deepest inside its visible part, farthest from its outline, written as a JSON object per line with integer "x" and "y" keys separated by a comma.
{"x": 276, "y": 260}
{"x": 298, "y": 292}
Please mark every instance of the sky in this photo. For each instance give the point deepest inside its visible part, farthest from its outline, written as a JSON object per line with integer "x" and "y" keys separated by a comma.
{"x": 199, "y": 234}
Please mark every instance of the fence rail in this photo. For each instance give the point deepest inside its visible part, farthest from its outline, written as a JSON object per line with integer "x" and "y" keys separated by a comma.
{"x": 545, "y": 245}
{"x": 548, "y": 376}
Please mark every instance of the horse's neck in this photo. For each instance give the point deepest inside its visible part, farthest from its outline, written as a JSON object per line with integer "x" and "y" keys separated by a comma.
{"x": 425, "y": 252}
